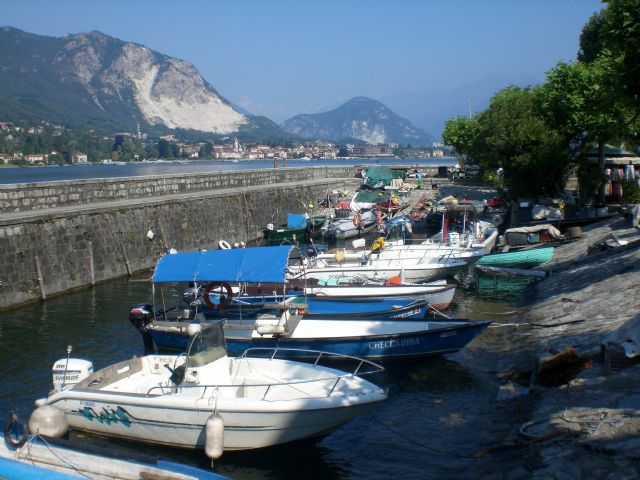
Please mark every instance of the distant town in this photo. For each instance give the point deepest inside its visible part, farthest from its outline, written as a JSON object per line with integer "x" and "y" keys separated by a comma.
{"x": 48, "y": 143}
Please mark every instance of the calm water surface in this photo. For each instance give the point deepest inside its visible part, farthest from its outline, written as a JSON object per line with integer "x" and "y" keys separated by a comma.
{"x": 77, "y": 172}
{"x": 434, "y": 419}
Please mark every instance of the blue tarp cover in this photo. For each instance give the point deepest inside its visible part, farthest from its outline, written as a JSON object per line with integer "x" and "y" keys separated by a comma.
{"x": 259, "y": 264}
{"x": 296, "y": 220}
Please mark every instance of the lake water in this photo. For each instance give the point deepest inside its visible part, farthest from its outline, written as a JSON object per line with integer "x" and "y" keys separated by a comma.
{"x": 438, "y": 412}
{"x": 78, "y": 172}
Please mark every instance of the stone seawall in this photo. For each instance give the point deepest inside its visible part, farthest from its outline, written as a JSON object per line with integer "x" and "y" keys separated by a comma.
{"x": 34, "y": 196}
{"x": 50, "y": 251}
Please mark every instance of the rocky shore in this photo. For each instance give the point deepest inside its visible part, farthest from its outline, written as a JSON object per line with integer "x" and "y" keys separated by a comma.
{"x": 566, "y": 406}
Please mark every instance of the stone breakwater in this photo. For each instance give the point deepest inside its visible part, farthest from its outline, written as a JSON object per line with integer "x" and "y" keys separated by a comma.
{"x": 34, "y": 196}
{"x": 59, "y": 236}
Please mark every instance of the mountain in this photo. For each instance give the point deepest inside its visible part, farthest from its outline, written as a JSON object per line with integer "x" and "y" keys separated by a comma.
{"x": 362, "y": 119}
{"x": 430, "y": 109}
{"x": 91, "y": 79}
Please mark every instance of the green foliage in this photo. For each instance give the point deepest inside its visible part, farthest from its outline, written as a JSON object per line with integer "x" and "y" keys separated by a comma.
{"x": 630, "y": 192}
{"x": 512, "y": 135}
{"x": 534, "y": 134}
{"x": 206, "y": 150}
{"x": 591, "y": 38}
{"x": 460, "y": 133}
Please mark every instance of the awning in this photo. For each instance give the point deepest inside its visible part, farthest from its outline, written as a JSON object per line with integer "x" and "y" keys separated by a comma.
{"x": 254, "y": 265}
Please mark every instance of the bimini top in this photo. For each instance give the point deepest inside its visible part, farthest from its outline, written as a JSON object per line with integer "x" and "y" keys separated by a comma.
{"x": 254, "y": 265}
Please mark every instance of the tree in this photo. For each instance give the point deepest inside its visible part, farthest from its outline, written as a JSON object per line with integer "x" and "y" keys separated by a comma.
{"x": 165, "y": 149}
{"x": 581, "y": 101}
{"x": 621, "y": 38}
{"x": 461, "y": 133}
{"x": 513, "y": 135}
{"x": 591, "y": 38}
{"x": 206, "y": 150}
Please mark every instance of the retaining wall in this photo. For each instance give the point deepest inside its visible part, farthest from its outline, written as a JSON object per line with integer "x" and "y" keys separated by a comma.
{"x": 34, "y": 196}
{"x": 44, "y": 253}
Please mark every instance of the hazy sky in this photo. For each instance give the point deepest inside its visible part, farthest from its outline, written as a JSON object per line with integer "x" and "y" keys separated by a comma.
{"x": 279, "y": 58}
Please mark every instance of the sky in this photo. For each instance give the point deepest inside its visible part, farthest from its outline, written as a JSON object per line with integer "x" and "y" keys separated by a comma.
{"x": 279, "y": 58}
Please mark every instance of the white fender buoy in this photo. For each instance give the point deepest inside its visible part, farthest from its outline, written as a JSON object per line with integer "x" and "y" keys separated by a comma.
{"x": 49, "y": 421}
{"x": 193, "y": 329}
{"x": 214, "y": 436}
{"x": 224, "y": 245}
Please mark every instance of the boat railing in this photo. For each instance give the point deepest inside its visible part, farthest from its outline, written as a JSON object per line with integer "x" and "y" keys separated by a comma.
{"x": 374, "y": 368}
{"x": 317, "y": 356}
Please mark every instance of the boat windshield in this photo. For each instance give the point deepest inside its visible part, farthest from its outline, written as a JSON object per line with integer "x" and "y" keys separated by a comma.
{"x": 207, "y": 346}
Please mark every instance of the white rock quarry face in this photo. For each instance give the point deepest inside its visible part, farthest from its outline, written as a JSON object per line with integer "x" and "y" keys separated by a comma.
{"x": 175, "y": 96}
{"x": 371, "y": 134}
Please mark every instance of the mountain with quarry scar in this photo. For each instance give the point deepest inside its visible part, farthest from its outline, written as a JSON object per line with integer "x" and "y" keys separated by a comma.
{"x": 360, "y": 119}
{"x": 92, "y": 79}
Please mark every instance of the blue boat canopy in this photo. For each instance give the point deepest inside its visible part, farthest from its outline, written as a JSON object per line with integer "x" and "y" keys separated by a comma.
{"x": 296, "y": 220}
{"x": 254, "y": 265}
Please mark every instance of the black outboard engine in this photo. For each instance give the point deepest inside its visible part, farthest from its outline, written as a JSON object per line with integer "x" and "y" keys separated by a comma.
{"x": 140, "y": 317}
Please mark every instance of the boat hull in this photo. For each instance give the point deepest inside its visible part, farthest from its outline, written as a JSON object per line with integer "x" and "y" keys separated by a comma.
{"x": 413, "y": 343}
{"x": 408, "y": 273}
{"x": 261, "y": 401}
{"x": 520, "y": 259}
{"x": 165, "y": 423}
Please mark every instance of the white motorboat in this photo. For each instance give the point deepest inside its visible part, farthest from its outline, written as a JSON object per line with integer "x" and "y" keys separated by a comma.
{"x": 353, "y": 226}
{"x": 375, "y": 267}
{"x": 205, "y": 399}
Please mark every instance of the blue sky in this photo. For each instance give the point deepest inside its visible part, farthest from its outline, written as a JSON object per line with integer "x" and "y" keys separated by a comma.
{"x": 279, "y": 58}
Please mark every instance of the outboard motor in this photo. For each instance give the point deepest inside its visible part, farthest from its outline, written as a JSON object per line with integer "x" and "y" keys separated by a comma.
{"x": 140, "y": 317}
{"x": 68, "y": 372}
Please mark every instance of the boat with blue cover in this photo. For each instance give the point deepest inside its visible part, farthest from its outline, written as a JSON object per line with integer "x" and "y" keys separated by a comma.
{"x": 374, "y": 336}
{"x": 299, "y": 226}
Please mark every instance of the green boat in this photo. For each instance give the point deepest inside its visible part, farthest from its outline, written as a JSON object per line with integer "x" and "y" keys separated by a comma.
{"x": 521, "y": 259}
{"x": 298, "y": 227}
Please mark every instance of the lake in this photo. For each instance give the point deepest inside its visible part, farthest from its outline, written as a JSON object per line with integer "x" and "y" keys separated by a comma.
{"x": 82, "y": 172}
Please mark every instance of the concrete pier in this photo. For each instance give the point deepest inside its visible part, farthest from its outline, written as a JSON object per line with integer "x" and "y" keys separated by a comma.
{"x": 59, "y": 236}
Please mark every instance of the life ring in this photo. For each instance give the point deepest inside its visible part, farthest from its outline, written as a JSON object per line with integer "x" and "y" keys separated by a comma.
{"x": 15, "y": 433}
{"x": 357, "y": 220}
{"x": 224, "y": 245}
{"x": 224, "y": 299}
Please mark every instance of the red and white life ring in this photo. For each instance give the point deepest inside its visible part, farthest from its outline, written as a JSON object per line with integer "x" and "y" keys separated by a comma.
{"x": 225, "y": 298}
{"x": 357, "y": 220}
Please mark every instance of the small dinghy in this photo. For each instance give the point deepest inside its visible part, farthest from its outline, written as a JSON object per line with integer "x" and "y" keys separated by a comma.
{"x": 33, "y": 456}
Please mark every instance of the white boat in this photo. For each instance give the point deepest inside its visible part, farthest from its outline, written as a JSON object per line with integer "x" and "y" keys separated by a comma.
{"x": 438, "y": 294}
{"x": 36, "y": 457}
{"x": 205, "y": 399}
{"x": 353, "y": 226}
{"x": 409, "y": 270}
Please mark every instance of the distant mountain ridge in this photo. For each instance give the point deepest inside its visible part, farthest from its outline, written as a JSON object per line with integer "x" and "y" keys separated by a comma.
{"x": 360, "y": 118}
{"x": 97, "y": 80}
